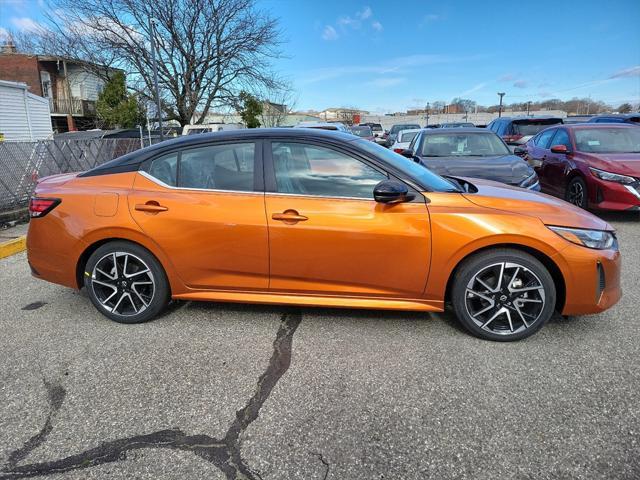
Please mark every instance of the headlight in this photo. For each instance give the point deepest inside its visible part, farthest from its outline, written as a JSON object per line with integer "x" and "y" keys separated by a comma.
{"x": 597, "y": 239}
{"x": 612, "y": 177}
{"x": 530, "y": 182}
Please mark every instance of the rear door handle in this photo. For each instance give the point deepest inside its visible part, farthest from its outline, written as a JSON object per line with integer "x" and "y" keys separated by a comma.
{"x": 151, "y": 207}
{"x": 289, "y": 216}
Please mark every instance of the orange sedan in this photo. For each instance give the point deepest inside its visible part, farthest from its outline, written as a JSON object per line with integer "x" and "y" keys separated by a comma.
{"x": 315, "y": 218}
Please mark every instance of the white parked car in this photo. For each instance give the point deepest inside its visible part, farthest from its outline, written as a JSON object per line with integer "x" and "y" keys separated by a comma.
{"x": 341, "y": 127}
{"x": 210, "y": 127}
{"x": 403, "y": 139}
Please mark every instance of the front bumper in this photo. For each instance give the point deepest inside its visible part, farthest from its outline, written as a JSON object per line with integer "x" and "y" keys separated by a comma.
{"x": 592, "y": 279}
{"x": 605, "y": 195}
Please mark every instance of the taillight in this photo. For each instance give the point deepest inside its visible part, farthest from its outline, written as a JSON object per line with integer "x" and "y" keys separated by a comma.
{"x": 39, "y": 207}
{"x": 512, "y": 138}
{"x": 398, "y": 150}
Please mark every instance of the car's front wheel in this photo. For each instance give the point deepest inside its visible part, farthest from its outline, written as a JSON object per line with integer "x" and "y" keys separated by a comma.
{"x": 503, "y": 295}
{"x": 126, "y": 283}
{"x": 577, "y": 192}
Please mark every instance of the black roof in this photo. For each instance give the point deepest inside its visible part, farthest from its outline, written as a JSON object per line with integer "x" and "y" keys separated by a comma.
{"x": 524, "y": 117}
{"x": 123, "y": 164}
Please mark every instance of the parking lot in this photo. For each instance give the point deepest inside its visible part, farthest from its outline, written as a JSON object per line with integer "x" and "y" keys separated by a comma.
{"x": 235, "y": 391}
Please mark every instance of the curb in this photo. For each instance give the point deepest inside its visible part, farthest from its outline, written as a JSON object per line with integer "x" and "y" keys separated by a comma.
{"x": 11, "y": 247}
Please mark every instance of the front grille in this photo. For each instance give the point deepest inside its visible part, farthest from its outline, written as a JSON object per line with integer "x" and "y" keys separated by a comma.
{"x": 601, "y": 282}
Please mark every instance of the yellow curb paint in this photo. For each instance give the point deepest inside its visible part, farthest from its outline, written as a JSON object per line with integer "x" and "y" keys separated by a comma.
{"x": 14, "y": 246}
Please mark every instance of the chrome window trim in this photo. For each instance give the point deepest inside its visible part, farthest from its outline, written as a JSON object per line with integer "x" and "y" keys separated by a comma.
{"x": 213, "y": 190}
{"x": 322, "y": 197}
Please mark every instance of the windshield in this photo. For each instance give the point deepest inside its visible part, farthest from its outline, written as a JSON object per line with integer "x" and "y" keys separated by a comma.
{"x": 426, "y": 177}
{"x": 532, "y": 127}
{"x": 362, "y": 131}
{"x": 396, "y": 128}
{"x": 463, "y": 145}
{"x": 608, "y": 140}
{"x": 406, "y": 137}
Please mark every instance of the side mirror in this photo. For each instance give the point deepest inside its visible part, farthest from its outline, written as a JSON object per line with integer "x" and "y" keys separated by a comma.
{"x": 560, "y": 149}
{"x": 520, "y": 151}
{"x": 391, "y": 191}
{"x": 407, "y": 152}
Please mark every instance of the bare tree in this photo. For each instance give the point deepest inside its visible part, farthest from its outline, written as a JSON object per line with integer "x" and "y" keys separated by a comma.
{"x": 208, "y": 51}
{"x": 278, "y": 103}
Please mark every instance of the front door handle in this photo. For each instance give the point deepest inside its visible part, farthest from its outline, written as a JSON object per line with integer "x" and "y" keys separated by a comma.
{"x": 150, "y": 207}
{"x": 289, "y": 217}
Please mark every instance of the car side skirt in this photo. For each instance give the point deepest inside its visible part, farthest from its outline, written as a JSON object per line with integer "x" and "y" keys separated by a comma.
{"x": 314, "y": 300}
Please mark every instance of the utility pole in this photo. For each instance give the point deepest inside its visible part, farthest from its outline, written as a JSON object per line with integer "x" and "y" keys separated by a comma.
{"x": 500, "y": 106}
{"x": 155, "y": 74}
{"x": 528, "y": 107}
{"x": 427, "y": 115}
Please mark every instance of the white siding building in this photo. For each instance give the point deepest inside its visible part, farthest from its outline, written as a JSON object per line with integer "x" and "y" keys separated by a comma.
{"x": 23, "y": 115}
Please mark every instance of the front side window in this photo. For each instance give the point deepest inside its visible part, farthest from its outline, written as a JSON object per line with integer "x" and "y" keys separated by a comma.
{"x": 305, "y": 169}
{"x": 562, "y": 138}
{"x": 213, "y": 167}
{"x": 545, "y": 138}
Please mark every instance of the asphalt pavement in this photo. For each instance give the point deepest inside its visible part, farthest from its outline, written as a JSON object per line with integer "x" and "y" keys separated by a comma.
{"x": 214, "y": 390}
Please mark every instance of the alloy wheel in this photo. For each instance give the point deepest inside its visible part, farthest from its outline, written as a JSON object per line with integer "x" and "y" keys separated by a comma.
{"x": 123, "y": 283}
{"x": 505, "y": 298}
{"x": 576, "y": 194}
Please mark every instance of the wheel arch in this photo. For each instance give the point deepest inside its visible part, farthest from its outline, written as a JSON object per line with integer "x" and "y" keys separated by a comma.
{"x": 549, "y": 264}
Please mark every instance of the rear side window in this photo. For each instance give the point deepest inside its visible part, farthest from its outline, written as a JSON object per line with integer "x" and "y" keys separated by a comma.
{"x": 545, "y": 137}
{"x": 213, "y": 167}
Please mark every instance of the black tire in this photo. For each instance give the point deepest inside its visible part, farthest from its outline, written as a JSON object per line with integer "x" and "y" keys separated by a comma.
{"x": 139, "y": 282}
{"x": 577, "y": 192}
{"x": 535, "y": 305}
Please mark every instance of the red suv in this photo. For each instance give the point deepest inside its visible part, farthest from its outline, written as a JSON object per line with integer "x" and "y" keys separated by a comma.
{"x": 590, "y": 165}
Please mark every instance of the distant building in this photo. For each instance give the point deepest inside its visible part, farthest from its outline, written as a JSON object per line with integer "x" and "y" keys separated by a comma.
{"x": 340, "y": 113}
{"x": 23, "y": 115}
{"x": 69, "y": 85}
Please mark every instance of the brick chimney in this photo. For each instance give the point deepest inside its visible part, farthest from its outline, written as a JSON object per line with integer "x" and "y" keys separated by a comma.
{"x": 8, "y": 47}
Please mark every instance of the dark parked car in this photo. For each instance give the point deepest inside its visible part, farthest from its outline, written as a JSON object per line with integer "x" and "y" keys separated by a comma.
{"x": 363, "y": 131}
{"x": 471, "y": 152}
{"x": 393, "y": 133}
{"x": 376, "y": 128}
{"x": 617, "y": 118}
{"x": 518, "y": 130}
{"x": 589, "y": 165}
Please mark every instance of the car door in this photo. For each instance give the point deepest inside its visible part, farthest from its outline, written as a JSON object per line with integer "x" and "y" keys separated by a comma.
{"x": 555, "y": 164}
{"x": 327, "y": 234}
{"x": 538, "y": 157}
{"x": 204, "y": 206}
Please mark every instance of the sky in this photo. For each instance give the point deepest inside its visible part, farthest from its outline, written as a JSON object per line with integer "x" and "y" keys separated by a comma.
{"x": 384, "y": 56}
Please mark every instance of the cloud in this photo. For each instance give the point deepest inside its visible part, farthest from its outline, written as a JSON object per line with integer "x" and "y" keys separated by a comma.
{"x": 627, "y": 72}
{"x": 473, "y": 89}
{"x": 431, "y": 17}
{"x": 329, "y": 33}
{"x": 347, "y": 21}
{"x": 394, "y": 65}
{"x": 521, "y": 84}
{"x": 26, "y": 24}
{"x": 507, "y": 77}
{"x": 384, "y": 82}
{"x": 377, "y": 26}
{"x": 365, "y": 13}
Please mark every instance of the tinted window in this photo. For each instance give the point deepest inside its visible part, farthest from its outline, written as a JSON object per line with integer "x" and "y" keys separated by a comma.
{"x": 406, "y": 136}
{"x": 545, "y": 137}
{"x": 463, "y": 145}
{"x": 562, "y": 138}
{"x": 396, "y": 128}
{"x": 215, "y": 167}
{"x": 165, "y": 169}
{"x": 362, "y": 131}
{"x": 608, "y": 140}
{"x": 310, "y": 170}
{"x": 533, "y": 126}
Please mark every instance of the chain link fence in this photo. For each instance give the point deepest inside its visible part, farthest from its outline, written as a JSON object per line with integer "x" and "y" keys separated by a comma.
{"x": 22, "y": 163}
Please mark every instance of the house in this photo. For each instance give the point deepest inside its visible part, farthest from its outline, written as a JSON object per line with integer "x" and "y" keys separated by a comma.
{"x": 70, "y": 86}
{"x": 23, "y": 115}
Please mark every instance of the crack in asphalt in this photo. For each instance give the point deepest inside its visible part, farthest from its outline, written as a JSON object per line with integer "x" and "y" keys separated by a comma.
{"x": 224, "y": 453}
{"x": 320, "y": 457}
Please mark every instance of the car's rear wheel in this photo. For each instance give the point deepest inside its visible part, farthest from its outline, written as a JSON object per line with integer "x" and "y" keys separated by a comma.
{"x": 503, "y": 295}
{"x": 577, "y": 192}
{"x": 126, "y": 283}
